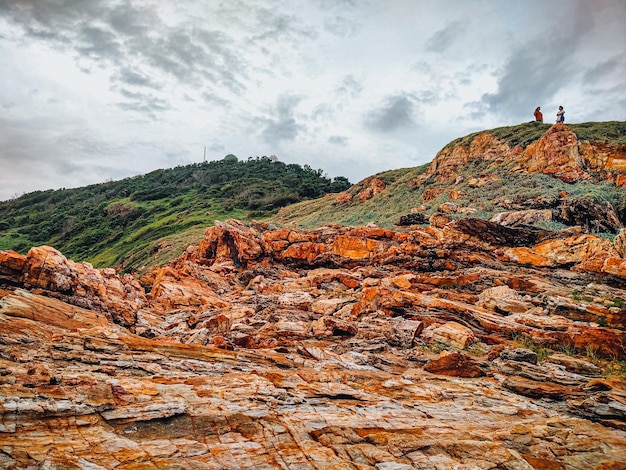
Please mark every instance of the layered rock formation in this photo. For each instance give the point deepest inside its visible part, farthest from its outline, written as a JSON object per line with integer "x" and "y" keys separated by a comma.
{"x": 466, "y": 344}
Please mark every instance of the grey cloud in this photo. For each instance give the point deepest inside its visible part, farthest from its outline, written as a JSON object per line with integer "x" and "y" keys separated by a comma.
{"x": 428, "y": 96}
{"x": 215, "y": 99}
{"x": 61, "y": 155}
{"x": 338, "y": 140}
{"x": 216, "y": 147}
{"x": 603, "y": 69}
{"x": 323, "y": 112}
{"x": 350, "y": 87}
{"x": 282, "y": 125}
{"x": 143, "y": 103}
{"x": 444, "y": 38}
{"x": 131, "y": 21}
{"x": 129, "y": 37}
{"x": 135, "y": 78}
{"x": 280, "y": 27}
{"x": 341, "y": 26}
{"x": 395, "y": 113}
{"x": 327, "y": 4}
{"x": 97, "y": 43}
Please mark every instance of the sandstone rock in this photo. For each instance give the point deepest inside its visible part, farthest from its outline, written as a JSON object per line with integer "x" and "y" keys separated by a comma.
{"x": 405, "y": 332}
{"x": 601, "y": 156}
{"x": 556, "y": 153}
{"x": 519, "y": 355}
{"x": 540, "y": 389}
{"x": 343, "y": 198}
{"x": 373, "y": 187}
{"x": 455, "y": 364}
{"x": 619, "y": 243}
{"x": 453, "y": 334}
{"x": 503, "y": 299}
{"x": 449, "y": 208}
{"x": 562, "y": 251}
{"x": 82, "y": 285}
{"x": 327, "y": 306}
{"x": 572, "y": 364}
{"x": 525, "y": 217}
{"x": 438, "y": 220}
{"x": 431, "y": 193}
{"x": 11, "y": 264}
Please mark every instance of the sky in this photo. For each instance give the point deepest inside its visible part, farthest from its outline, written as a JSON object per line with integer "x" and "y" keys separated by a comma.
{"x": 99, "y": 90}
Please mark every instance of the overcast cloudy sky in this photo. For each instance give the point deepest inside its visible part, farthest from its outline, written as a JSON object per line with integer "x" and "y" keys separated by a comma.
{"x": 92, "y": 90}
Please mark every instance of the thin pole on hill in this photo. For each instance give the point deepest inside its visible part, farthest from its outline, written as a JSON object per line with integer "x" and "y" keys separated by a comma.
{"x": 204, "y": 159}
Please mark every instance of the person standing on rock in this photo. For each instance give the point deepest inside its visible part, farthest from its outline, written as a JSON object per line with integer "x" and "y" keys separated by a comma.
{"x": 560, "y": 116}
{"x": 538, "y": 114}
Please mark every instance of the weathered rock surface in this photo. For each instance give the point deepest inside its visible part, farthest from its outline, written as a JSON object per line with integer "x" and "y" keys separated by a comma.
{"x": 345, "y": 348}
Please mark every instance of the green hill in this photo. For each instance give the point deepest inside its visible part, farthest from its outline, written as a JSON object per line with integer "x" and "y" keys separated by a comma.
{"x": 148, "y": 219}
{"x": 405, "y": 191}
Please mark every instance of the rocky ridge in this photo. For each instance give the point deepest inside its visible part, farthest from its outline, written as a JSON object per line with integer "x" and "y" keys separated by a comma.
{"x": 466, "y": 344}
{"x": 558, "y": 153}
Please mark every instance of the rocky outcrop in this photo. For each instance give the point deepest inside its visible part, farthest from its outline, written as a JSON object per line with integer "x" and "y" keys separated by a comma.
{"x": 461, "y": 344}
{"x": 558, "y": 153}
{"x": 76, "y": 283}
{"x": 589, "y": 214}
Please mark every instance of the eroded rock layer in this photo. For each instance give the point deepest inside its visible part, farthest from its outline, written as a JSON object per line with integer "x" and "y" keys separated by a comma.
{"x": 463, "y": 345}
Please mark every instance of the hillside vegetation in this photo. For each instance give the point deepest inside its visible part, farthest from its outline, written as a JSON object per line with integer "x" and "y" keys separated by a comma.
{"x": 148, "y": 219}
{"x": 401, "y": 196}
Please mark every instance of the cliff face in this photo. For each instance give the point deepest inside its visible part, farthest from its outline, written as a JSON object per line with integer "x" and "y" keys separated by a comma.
{"x": 358, "y": 348}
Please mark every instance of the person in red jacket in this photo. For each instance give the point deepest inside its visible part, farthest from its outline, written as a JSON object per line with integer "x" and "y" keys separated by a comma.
{"x": 538, "y": 115}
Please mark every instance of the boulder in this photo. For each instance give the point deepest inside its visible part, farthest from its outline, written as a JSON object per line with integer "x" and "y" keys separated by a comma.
{"x": 575, "y": 365}
{"x": 412, "y": 219}
{"x": 519, "y": 355}
{"x": 595, "y": 216}
{"x": 456, "y": 364}
{"x": 503, "y": 299}
{"x": 453, "y": 334}
{"x": 619, "y": 243}
{"x": 525, "y": 217}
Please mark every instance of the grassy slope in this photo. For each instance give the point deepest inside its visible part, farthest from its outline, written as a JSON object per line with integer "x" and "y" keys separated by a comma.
{"x": 146, "y": 220}
{"x": 398, "y": 198}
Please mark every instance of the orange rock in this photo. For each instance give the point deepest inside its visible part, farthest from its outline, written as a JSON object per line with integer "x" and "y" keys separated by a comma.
{"x": 374, "y": 187}
{"x": 562, "y": 251}
{"x": 173, "y": 289}
{"x": 353, "y": 247}
{"x": 455, "y": 364}
{"x": 343, "y": 198}
{"x": 555, "y": 153}
{"x": 600, "y": 156}
{"x": 11, "y": 263}
{"x": 121, "y": 296}
{"x": 431, "y": 193}
{"x": 453, "y": 334}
